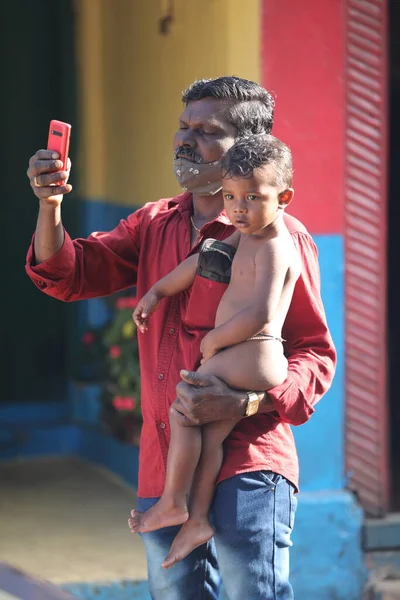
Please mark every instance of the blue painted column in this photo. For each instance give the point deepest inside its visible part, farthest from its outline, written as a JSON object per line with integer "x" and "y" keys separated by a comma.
{"x": 327, "y": 559}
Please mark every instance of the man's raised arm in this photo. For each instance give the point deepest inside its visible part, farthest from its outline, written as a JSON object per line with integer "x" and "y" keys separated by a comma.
{"x": 84, "y": 268}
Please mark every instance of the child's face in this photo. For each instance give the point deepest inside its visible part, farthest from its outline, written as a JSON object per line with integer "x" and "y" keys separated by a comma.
{"x": 253, "y": 203}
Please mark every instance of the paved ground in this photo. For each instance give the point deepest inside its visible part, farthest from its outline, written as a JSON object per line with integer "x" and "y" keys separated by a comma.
{"x": 66, "y": 521}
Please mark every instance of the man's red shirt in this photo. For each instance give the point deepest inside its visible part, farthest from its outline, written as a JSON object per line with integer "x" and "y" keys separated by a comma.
{"x": 139, "y": 251}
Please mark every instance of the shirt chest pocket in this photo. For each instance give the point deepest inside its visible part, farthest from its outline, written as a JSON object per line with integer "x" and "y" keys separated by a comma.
{"x": 202, "y": 303}
{"x": 213, "y": 275}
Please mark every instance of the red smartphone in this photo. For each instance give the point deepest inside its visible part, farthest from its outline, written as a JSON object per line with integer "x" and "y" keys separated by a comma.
{"x": 58, "y": 140}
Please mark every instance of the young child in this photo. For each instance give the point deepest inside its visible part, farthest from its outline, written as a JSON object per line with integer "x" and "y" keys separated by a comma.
{"x": 245, "y": 349}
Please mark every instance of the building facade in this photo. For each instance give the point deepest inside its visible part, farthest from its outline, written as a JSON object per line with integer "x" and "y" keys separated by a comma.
{"x": 332, "y": 71}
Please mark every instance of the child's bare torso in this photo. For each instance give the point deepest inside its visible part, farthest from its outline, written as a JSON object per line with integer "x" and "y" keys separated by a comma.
{"x": 238, "y": 294}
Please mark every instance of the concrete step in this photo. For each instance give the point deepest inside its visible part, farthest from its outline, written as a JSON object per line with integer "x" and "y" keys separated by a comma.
{"x": 16, "y": 585}
{"x": 382, "y": 534}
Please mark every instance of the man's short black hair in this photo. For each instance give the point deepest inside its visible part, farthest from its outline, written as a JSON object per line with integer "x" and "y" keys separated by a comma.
{"x": 252, "y": 109}
{"x": 255, "y": 151}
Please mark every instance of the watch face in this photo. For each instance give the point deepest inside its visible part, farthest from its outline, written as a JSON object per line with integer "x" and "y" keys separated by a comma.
{"x": 252, "y": 405}
{"x": 252, "y": 408}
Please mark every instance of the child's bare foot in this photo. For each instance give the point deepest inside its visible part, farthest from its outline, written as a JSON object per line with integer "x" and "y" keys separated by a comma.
{"x": 135, "y": 516}
{"x": 191, "y": 535}
{"x": 162, "y": 514}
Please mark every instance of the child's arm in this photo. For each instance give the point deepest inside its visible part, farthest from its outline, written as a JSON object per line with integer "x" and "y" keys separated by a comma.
{"x": 178, "y": 280}
{"x": 271, "y": 264}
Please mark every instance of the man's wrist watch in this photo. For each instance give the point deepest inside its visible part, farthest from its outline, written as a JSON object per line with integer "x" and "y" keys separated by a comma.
{"x": 253, "y": 402}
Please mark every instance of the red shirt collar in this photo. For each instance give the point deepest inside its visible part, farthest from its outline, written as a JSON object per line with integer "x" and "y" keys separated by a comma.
{"x": 184, "y": 202}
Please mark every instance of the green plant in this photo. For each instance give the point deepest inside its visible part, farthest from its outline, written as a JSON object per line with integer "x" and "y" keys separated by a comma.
{"x": 109, "y": 357}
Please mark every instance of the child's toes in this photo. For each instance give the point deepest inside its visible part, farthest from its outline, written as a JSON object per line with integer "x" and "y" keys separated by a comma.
{"x": 134, "y": 524}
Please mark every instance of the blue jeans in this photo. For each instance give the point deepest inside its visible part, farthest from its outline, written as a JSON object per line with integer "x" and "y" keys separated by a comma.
{"x": 252, "y": 515}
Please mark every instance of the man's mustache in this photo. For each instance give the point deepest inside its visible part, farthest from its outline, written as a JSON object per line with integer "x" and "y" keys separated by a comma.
{"x": 189, "y": 153}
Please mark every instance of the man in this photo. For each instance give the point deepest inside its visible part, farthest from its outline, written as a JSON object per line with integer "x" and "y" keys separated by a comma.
{"x": 254, "y": 504}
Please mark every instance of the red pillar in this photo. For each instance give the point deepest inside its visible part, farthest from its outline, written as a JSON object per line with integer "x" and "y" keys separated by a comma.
{"x": 303, "y": 54}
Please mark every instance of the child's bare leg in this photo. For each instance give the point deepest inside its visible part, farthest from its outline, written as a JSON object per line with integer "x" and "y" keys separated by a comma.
{"x": 183, "y": 457}
{"x": 250, "y": 360}
{"x": 258, "y": 365}
{"x": 197, "y": 529}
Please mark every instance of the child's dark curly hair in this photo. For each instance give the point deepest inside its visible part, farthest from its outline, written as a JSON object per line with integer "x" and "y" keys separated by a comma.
{"x": 255, "y": 151}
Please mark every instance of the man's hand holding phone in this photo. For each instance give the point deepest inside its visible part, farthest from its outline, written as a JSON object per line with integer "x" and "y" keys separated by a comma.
{"x": 49, "y": 169}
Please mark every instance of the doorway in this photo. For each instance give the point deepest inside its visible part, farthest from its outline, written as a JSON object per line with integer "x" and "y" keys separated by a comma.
{"x": 38, "y": 84}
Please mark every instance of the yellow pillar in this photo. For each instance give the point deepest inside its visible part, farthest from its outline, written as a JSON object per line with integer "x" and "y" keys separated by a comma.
{"x": 91, "y": 132}
{"x": 141, "y": 73}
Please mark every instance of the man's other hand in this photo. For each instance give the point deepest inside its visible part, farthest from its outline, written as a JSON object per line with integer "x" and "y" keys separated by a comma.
{"x": 204, "y": 399}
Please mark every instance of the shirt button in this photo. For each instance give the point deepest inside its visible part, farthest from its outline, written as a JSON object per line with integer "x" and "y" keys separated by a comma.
{"x": 171, "y": 331}
{"x": 187, "y": 240}
{"x": 162, "y": 426}
{"x": 40, "y": 282}
{"x": 161, "y": 377}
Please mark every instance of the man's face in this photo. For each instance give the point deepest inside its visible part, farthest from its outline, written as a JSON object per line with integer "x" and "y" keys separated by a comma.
{"x": 204, "y": 134}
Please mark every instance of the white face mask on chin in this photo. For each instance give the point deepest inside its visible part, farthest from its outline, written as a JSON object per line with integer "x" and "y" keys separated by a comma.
{"x": 203, "y": 179}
